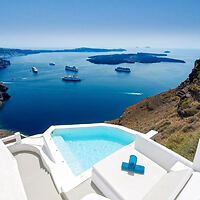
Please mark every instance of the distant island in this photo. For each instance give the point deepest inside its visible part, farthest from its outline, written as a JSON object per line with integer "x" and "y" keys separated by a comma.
{"x": 7, "y": 52}
{"x": 115, "y": 59}
{"x": 167, "y": 51}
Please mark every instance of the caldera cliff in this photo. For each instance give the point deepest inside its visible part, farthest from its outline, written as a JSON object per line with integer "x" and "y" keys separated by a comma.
{"x": 175, "y": 114}
{"x": 3, "y": 93}
{"x": 3, "y": 97}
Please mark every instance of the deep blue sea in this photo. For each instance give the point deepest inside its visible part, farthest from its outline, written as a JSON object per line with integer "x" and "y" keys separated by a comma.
{"x": 41, "y": 100}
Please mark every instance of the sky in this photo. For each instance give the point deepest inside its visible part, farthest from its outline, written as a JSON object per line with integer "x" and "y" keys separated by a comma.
{"x": 99, "y": 23}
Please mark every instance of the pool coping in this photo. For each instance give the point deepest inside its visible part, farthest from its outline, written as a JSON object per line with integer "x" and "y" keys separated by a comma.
{"x": 57, "y": 157}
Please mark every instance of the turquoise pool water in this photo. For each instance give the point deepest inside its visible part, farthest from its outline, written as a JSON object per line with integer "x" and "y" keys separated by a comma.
{"x": 83, "y": 147}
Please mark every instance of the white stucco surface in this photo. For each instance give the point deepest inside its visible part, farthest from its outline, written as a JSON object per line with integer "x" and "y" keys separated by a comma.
{"x": 11, "y": 186}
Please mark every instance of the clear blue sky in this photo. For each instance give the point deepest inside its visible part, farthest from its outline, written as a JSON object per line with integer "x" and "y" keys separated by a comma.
{"x": 100, "y": 23}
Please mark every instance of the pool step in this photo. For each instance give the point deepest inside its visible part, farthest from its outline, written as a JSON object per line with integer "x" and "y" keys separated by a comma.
{"x": 67, "y": 154}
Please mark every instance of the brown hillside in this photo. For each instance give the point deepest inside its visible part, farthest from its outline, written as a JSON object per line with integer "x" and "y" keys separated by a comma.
{"x": 174, "y": 114}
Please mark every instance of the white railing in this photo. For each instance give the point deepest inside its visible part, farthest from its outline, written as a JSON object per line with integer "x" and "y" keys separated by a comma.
{"x": 16, "y": 136}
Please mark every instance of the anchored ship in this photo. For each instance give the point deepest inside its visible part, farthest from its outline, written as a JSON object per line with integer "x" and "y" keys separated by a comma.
{"x": 34, "y": 70}
{"x": 69, "y": 68}
{"x": 71, "y": 78}
{"x": 122, "y": 69}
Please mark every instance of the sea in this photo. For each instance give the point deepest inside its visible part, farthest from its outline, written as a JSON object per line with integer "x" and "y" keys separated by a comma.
{"x": 41, "y": 100}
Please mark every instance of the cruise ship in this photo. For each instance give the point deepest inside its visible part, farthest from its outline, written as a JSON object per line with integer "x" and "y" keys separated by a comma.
{"x": 34, "y": 70}
{"x": 69, "y": 68}
{"x": 71, "y": 78}
{"x": 122, "y": 69}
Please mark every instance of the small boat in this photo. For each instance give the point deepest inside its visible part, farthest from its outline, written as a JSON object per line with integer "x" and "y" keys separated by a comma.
{"x": 122, "y": 69}
{"x": 52, "y": 63}
{"x": 68, "y": 68}
{"x": 34, "y": 70}
{"x": 71, "y": 78}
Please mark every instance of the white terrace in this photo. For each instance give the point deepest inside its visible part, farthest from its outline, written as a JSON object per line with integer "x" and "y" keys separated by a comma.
{"x": 32, "y": 168}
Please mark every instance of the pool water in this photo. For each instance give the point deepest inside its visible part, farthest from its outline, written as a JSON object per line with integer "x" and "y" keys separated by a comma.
{"x": 83, "y": 147}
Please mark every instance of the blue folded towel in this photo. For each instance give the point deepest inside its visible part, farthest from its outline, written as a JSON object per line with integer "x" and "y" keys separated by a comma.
{"x": 125, "y": 166}
{"x": 139, "y": 169}
{"x": 132, "y": 161}
{"x": 131, "y": 166}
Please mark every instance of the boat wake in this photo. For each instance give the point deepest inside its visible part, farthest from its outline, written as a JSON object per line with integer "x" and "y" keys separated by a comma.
{"x": 134, "y": 93}
{"x": 7, "y": 82}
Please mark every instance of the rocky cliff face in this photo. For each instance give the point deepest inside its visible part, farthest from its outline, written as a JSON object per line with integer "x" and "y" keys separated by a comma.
{"x": 189, "y": 92}
{"x": 3, "y": 93}
{"x": 4, "y": 63}
{"x": 175, "y": 114}
{"x": 3, "y": 97}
